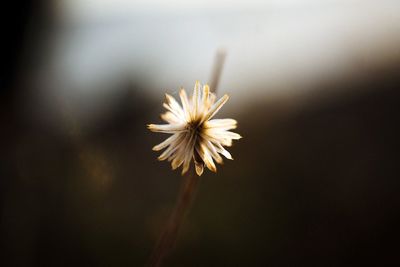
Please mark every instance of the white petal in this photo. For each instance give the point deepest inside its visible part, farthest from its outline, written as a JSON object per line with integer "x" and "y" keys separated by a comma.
{"x": 173, "y": 103}
{"x": 167, "y": 128}
{"x": 170, "y": 118}
{"x": 221, "y": 133}
{"x": 216, "y": 107}
{"x": 188, "y": 153}
{"x": 218, "y": 133}
{"x": 224, "y": 152}
{"x": 177, "y": 161}
{"x": 206, "y": 157}
{"x": 166, "y": 143}
{"x": 206, "y": 95}
{"x": 185, "y": 104}
{"x": 225, "y": 124}
{"x": 211, "y": 99}
{"x": 173, "y": 147}
{"x": 195, "y": 100}
{"x": 216, "y": 138}
{"x": 173, "y": 106}
{"x": 213, "y": 151}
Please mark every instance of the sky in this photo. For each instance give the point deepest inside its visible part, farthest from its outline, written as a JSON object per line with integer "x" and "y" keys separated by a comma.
{"x": 272, "y": 47}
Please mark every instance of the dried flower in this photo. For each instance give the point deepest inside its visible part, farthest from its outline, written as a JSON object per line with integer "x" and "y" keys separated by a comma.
{"x": 194, "y": 133}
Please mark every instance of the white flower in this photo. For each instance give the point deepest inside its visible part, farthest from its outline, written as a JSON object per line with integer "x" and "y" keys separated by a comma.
{"x": 195, "y": 135}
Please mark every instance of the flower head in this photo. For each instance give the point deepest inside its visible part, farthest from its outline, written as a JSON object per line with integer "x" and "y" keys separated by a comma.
{"x": 195, "y": 135}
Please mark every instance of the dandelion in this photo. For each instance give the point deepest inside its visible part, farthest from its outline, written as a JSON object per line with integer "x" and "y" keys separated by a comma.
{"x": 195, "y": 134}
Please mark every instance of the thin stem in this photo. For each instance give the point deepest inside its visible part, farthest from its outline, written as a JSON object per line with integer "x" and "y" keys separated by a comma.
{"x": 169, "y": 236}
{"x": 217, "y": 69}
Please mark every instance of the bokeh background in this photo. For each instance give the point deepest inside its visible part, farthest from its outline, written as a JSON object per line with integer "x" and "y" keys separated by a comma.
{"x": 313, "y": 84}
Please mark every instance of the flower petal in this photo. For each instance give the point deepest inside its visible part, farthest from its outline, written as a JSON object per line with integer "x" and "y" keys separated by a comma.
{"x": 185, "y": 104}
{"x": 199, "y": 168}
{"x": 216, "y": 139}
{"x": 172, "y": 148}
{"x": 166, "y": 142}
{"x": 206, "y": 157}
{"x": 170, "y": 118}
{"x": 177, "y": 161}
{"x": 195, "y": 100}
{"x": 216, "y": 107}
{"x": 206, "y": 95}
{"x": 188, "y": 153}
{"x": 172, "y": 105}
{"x": 213, "y": 151}
{"x": 225, "y": 124}
{"x": 218, "y": 133}
{"x": 167, "y": 128}
{"x": 224, "y": 152}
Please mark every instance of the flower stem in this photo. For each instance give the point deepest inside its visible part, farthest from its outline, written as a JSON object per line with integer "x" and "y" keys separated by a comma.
{"x": 169, "y": 236}
{"x": 217, "y": 69}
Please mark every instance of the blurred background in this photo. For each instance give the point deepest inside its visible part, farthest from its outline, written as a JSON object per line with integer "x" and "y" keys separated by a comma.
{"x": 313, "y": 84}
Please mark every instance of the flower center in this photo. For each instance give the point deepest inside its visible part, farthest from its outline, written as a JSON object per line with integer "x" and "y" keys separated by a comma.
{"x": 195, "y": 126}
